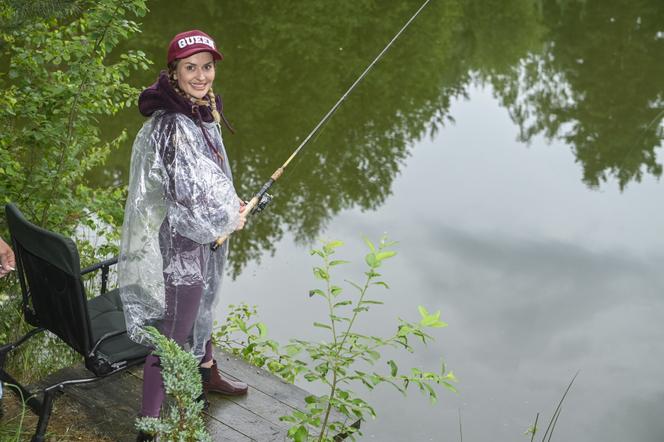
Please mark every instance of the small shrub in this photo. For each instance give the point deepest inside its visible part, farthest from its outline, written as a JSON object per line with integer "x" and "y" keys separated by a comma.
{"x": 340, "y": 362}
{"x": 182, "y": 421}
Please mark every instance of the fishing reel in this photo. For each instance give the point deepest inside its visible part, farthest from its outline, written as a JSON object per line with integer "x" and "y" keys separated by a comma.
{"x": 265, "y": 199}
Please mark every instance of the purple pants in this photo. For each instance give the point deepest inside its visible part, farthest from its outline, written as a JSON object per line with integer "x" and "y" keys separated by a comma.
{"x": 183, "y": 300}
{"x": 153, "y": 384}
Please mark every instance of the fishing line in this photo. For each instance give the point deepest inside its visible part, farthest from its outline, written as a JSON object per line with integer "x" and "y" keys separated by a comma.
{"x": 262, "y": 198}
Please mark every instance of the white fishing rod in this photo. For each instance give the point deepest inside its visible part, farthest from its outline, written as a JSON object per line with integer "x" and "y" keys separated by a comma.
{"x": 262, "y": 198}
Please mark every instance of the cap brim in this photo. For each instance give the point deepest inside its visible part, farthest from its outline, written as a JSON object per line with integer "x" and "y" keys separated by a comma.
{"x": 216, "y": 55}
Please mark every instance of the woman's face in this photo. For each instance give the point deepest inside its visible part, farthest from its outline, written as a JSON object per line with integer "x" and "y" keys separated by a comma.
{"x": 195, "y": 74}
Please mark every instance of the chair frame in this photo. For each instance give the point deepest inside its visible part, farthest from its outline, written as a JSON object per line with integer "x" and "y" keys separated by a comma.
{"x": 99, "y": 367}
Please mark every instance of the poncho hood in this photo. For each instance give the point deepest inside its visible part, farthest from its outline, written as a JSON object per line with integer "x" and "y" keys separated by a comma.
{"x": 162, "y": 96}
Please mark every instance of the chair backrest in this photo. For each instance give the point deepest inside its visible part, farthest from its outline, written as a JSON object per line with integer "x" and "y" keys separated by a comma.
{"x": 49, "y": 271}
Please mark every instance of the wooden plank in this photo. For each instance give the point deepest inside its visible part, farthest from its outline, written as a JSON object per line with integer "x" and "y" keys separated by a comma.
{"x": 111, "y": 404}
{"x": 255, "y": 401}
{"x": 220, "y": 432}
{"x": 271, "y": 385}
{"x": 258, "y": 403}
{"x": 261, "y": 380}
{"x": 244, "y": 421}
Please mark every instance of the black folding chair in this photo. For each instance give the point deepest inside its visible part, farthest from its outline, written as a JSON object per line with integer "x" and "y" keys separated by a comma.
{"x": 54, "y": 299}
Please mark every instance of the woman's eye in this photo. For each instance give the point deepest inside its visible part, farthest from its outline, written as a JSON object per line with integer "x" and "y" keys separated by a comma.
{"x": 190, "y": 68}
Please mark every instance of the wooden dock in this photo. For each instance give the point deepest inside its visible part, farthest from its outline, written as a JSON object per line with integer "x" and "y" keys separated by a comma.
{"x": 110, "y": 406}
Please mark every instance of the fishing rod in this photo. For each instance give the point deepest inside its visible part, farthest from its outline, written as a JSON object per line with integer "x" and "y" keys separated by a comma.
{"x": 261, "y": 199}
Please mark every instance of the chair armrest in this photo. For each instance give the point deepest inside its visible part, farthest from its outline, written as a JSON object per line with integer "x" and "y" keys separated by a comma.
{"x": 104, "y": 266}
{"x": 103, "y": 338}
{"x": 100, "y": 265}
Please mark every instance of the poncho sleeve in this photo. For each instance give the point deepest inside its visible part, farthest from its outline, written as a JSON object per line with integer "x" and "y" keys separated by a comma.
{"x": 202, "y": 203}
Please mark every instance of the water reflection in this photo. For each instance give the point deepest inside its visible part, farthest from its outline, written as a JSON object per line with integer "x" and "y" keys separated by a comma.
{"x": 583, "y": 71}
{"x": 284, "y": 68}
{"x": 598, "y": 84}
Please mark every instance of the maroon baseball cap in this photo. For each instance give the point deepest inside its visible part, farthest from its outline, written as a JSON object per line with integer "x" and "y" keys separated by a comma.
{"x": 189, "y": 43}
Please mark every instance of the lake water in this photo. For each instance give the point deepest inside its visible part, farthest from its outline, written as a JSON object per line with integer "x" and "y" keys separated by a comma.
{"x": 514, "y": 151}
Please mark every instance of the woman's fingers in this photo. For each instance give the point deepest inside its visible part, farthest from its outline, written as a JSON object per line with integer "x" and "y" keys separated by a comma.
{"x": 243, "y": 220}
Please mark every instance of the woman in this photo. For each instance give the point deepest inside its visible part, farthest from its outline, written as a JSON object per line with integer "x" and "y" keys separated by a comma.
{"x": 181, "y": 198}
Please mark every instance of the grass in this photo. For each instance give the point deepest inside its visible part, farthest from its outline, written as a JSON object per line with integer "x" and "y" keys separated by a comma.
{"x": 18, "y": 423}
{"x": 554, "y": 419}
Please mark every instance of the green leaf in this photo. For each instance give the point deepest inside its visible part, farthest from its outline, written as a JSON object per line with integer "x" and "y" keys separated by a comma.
{"x": 321, "y": 274}
{"x": 423, "y": 311}
{"x": 369, "y": 301}
{"x": 301, "y": 434}
{"x": 330, "y": 246}
{"x": 371, "y": 261}
{"x": 321, "y": 325}
{"x": 316, "y": 292}
{"x": 369, "y": 244}
{"x": 262, "y": 329}
{"x": 373, "y": 354}
{"x": 432, "y": 320}
{"x": 337, "y": 262}
{"x": 393, "y": 367}
{"x": 380, "y": 256}
{"x": 340, "y": 303}
{"x": 316, "y": 252}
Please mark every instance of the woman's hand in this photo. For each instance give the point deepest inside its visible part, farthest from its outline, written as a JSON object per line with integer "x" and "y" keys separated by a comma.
{"x": 243, "y": 216}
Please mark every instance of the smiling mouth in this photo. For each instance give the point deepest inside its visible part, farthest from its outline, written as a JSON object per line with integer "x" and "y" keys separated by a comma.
{"x": 198, "y": 86}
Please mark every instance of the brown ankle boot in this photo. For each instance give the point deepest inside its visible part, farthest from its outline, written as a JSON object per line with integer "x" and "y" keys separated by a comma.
{"x": 214, "y": 382}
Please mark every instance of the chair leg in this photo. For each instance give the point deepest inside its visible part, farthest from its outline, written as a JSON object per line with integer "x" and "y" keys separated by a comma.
{"x": 44, "y": 416}
{"x": 22, "y": 392}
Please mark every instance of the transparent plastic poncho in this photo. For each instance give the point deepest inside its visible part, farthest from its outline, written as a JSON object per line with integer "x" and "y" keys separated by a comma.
{"x": 181, "y": 198}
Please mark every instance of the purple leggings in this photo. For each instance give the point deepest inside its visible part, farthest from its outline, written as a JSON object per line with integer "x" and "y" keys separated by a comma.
{"x": 177, "y": 327}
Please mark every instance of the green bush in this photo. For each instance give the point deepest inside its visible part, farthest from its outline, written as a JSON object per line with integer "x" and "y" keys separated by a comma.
{"x": 59, "y": 88}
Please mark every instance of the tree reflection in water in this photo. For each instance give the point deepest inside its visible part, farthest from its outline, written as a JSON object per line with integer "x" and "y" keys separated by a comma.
{"x": 589, "y": 72}
{"x": 598, "y": 84}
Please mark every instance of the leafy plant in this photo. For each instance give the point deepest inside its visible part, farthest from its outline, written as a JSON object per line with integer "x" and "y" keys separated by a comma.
{"x": 336, "y": 363}
{"x": 339, "y": 363}
{"x": 182, "y": 421}
{"x": 59, "y": 88}
{"x": 246, "y": 337}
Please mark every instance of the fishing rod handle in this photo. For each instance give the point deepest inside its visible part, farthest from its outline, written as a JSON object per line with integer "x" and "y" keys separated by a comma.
{"x": 247, "y": 210}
